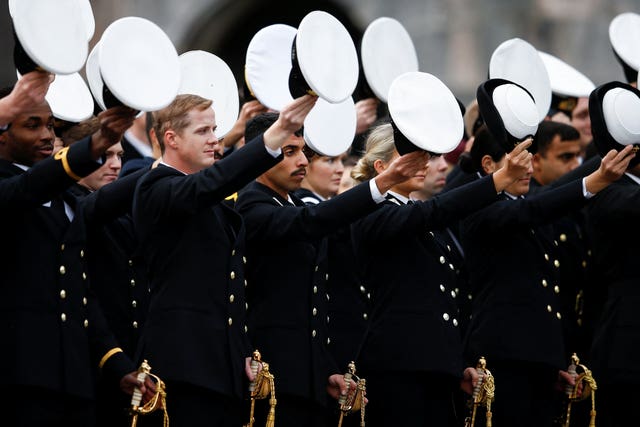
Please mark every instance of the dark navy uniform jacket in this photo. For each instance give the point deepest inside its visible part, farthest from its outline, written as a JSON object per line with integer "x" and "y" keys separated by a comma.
{"x": 612, "y": 218}
{"x": 514, "y": 275}
{"x": 194, "y": 247}
{"x": 349, "y": 305}
{"x": 414, "y": 324}
{"x": 287, "y": 276}
{"x": 53, "y": 333}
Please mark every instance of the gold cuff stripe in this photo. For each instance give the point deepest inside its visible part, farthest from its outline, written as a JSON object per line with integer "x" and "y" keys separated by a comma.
{"x": 108, "y": 355}
{"x": 62, "y": 156}
{"x": 233, "y": 197}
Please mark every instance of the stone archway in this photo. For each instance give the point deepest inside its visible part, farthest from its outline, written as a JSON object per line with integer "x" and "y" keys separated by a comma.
{"x": 228, "y": 28}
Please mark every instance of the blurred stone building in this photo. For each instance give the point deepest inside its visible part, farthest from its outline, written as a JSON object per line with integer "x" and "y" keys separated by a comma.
{"x": 454, "y": 38}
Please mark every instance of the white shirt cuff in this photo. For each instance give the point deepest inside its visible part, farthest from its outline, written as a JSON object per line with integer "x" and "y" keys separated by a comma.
{"x": 274, "y": 153}
{"x": 375, "y": 193}
{"x": 585, "y": 193}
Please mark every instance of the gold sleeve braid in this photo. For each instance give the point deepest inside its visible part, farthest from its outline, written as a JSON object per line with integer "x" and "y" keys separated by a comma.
{"x": 108, "y": 355}
{"x": 62, "y": 156}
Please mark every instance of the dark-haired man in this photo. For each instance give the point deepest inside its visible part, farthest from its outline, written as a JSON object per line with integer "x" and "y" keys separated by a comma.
{"x": 51, "y": 326}
{"x": 287, "y": 273}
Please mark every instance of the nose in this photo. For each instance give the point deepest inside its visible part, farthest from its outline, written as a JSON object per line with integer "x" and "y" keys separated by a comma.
{"x": 47, "y": 134}
{"x": 115, "y": 162}
{"x": 302, "y": 159}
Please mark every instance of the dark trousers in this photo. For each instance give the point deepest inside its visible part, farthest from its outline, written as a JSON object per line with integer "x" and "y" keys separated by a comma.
{"x": 24, "y": 406}
{"x": 112, "y": 406}
{"x": 616, "y": 405}
{"x": 525, "y": 394}
{"x": 191, "y": 406}
{"x": 292, "y": 411}
{"x": 409, "y": 399}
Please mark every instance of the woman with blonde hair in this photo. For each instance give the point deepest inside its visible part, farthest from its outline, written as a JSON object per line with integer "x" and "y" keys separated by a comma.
{"x": 411, "y": 353}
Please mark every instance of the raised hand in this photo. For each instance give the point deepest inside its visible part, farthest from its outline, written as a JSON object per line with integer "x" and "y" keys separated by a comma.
{"x": 517, "y": 164}
{"x": 291, "y": 119}
{"x": 401, "y": 169}
{"x": 366, "y": 113}
{"x": 113, "y": 123}
{"x": 28, "y": 93}
{"x": 612, "y": 167}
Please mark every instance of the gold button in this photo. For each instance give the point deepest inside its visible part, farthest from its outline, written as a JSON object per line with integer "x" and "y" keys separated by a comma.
{"x": 328, "y": 297}
{"x": 315, "y": 289}
{"x": 584, "y": 264}
{"x": 63, "y": 294}
{"x": 63, "y": 317}
{"x": 533, "y": 232}
{"x": 62, "y": 269}
{"x": 246, "y": 306}
{"x": 86, "y": 323}
{"x": 445, "y": 316}
{"x": 556, "y": 289}
{"x": 81, "y": 253}
{"x": 134, "y": 304}
{"x": 556, "y": 263}
{"x": 469, "y": 297}
{"x": 233, "y": 252}
{"x": 314, "y": 333}
{"x": 579, "y": 322}
{"x": 314, "y": 311}
{"x": 549, "y": 309}
{"x": 246, "y": 329}
{"x": 130, "y": 263}
{"x": 230, "y": 321}
{"x": 245, "y": 283}
{"x": 328, "y": 341}
{"x": 232, "y": 275}
{"x": 328, "y": 318}
{"x": 135, "y": 325}
{"x": 326, "y": 276}
{"x": 558, "y": 315}
{"x": 84, "y": 301}
{"x": 84, "y": 276}
{"x": 544, "y": 283}
{"x": 453, "y": 294}
{"x": 449, "y": 248}
{"x": 563, "y": 237}
{"x": 362, "y": 289}
{"x": 546, "y": 257}
{"x": 442, "y": 288}
{"x": 62, "y": 247}
{"x": 133, "y": 283}
{"x": 365, "y": 316}
{"x": 442, "y": 260}
{"x": 244, "y": 259}
{"x": 431, "y": 234}
{"x": 316, "y": 268}
{"x": 369, "y": 295}
{"x": 451, "y": 267}
{"x": 232, "y": 298}
{"x": 455, "y": 322}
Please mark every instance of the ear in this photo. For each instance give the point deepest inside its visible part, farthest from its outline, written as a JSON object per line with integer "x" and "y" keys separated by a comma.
{"x": 170, "y": 139}
{"x": 488, "y": 165}
{"x": 379, "y": 166}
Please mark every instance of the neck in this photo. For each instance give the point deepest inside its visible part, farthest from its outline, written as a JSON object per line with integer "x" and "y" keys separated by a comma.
{"x": 267, "y": 183}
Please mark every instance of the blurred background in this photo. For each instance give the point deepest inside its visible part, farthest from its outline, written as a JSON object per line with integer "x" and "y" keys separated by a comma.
{"x": 454, "y": 39}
